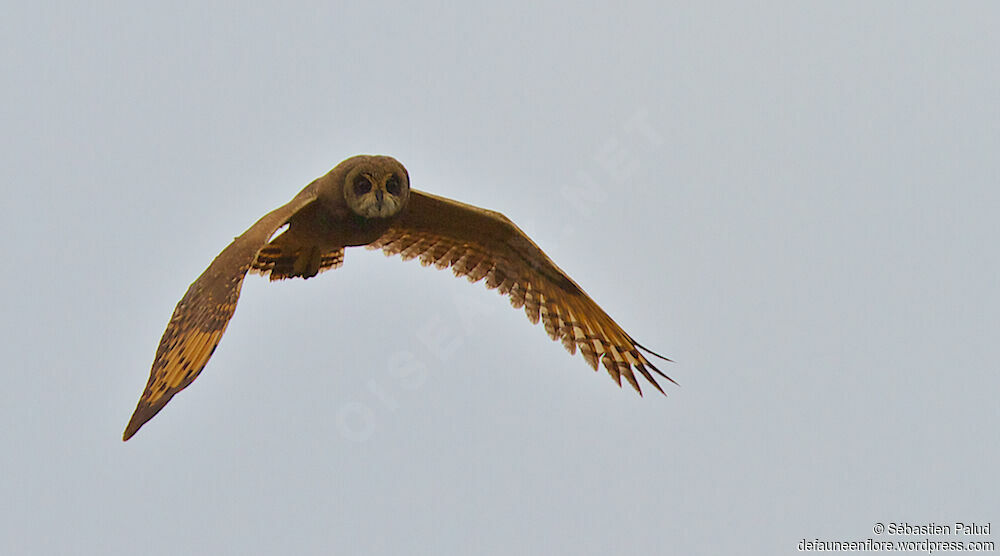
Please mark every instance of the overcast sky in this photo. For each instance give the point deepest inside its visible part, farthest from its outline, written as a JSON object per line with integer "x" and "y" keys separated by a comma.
{"x": 797, "y": 202}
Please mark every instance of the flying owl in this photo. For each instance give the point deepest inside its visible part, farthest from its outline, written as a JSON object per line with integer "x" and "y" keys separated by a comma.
{"x": 367, "y": 200}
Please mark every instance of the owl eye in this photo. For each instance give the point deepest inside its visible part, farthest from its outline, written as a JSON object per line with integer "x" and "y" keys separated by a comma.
{"x": 392, "y": 186}
{"x": 362, "y": 185}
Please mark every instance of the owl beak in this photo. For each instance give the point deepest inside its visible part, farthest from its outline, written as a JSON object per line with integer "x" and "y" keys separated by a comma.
{"x": 378, "y": 195}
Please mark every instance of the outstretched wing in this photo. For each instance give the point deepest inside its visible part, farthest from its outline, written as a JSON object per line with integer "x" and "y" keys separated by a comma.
{"x": 203, "y": 313}
{"x": 479, "y": 243}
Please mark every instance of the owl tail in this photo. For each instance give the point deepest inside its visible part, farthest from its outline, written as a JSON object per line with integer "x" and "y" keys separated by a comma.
{"x": 278, "y": 261}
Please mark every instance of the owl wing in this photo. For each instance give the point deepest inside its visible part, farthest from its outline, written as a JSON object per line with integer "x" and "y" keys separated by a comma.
{"x": 203, "y": 313}
{"x": 479, "y": 243}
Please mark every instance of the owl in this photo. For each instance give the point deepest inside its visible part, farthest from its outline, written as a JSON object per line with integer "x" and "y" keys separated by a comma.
{"x": 367, "y": 201}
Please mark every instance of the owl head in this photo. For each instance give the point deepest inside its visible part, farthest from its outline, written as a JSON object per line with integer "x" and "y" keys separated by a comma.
{"x": 375, "y": 186}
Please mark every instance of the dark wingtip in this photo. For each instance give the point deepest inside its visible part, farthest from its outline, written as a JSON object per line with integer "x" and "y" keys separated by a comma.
{"x": 657, "y": 371}
{"x": 133, "y": 426}
{"x": 143, "y": 413}
{"x": 657, "y": 385}
{"x": 651, "y": 352}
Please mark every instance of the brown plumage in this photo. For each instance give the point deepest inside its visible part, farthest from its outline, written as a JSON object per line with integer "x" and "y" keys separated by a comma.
{"x": 366, "y": 200}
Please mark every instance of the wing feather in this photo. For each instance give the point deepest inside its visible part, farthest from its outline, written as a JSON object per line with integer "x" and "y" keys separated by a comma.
{"x": 479, "y": 243}
{"x": 201, "y": 316}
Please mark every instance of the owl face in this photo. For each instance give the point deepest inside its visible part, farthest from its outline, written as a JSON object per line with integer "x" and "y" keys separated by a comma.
{"x": 377, "y": 189}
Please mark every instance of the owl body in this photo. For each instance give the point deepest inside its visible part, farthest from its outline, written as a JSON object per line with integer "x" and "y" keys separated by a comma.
{"x": 318, "y": 233}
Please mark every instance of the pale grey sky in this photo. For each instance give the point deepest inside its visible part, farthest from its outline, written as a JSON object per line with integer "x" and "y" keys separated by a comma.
{"x": 795, "y": 201}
